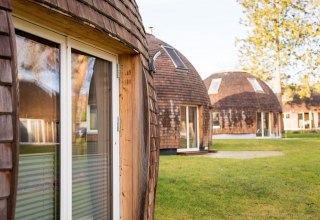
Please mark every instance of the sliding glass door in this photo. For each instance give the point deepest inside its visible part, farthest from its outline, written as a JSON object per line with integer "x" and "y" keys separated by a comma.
{"x": 263, "y": 124}
{"x": 188, "y": 128}
{"x": 91, "y": 139}
{"x": 69, "y": 152}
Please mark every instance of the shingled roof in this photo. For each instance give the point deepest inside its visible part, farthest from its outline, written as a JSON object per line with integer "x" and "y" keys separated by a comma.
{"x": 171, "y": 83}
{"x": 311, "y": 103}
{"x": 236, "y": 92}
{"x": 120, "y": 20}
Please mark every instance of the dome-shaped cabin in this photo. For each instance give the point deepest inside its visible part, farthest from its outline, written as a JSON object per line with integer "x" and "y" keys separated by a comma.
{"x": 243, "y": 106}
{"x": 78, "y": 112}
{"x": 182, "y": 99}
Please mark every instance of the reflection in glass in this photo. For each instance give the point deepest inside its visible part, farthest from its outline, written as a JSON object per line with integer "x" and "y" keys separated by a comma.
{"x": 183, "y": 127}
{"x": 91, "y": 140}
{"x": 39, "y": 77}
{"x": 266, "y": 124}
{"x": 216, "y": 119}
{"x": 259, "y": 127}
{"x": 188, "y": 128}
{"x": 193, "y": 127}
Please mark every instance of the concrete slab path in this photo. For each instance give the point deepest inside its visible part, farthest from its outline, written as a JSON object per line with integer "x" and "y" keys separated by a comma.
{"x": 242, "y": 155}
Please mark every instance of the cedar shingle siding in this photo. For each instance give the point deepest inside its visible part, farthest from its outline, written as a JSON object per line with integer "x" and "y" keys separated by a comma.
{"x": 8, "y": 112}
{"x": 175, "y": 87}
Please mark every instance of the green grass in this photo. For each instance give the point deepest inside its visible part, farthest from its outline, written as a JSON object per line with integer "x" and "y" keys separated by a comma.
{"x": 285, "y": 187}
{"x": 301, "y": 135}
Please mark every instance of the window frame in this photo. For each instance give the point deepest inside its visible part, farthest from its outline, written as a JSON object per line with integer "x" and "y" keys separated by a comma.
{"x": 67, "y": 43}
{"x": 188, "y": 148}
{"x": 215, "y": 126}
{"x": 254, "y": 82}
{"x": 263, "y": 117}
{"x": 210, "y": 90}
{"x": 184, "y": 68}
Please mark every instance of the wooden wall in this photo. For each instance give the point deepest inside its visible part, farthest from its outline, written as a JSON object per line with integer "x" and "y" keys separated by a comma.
{"x": 115, "y": 26}
{"x": 138, "y": 162}
{"x": 8, "y": 113}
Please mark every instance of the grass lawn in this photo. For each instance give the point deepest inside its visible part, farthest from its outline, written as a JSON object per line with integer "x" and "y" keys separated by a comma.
{"x": 301, "y": 135}
{"x": 285, "y": 187}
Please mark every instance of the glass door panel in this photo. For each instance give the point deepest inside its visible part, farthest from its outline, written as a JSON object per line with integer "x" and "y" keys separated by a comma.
{"x": 259, "y": 127}
{"x": 183, "y": 127}
{"x": 193, "y": 126}
{"x": 39, "y": 79}
{"x": 91, "y": 139}
{"x": 266, "y": 123}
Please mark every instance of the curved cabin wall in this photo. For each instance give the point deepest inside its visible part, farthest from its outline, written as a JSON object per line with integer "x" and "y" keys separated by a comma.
{"x": 175, "y": 88}
{"x": 8, "y": 113}
{"x": 115, "y": 26}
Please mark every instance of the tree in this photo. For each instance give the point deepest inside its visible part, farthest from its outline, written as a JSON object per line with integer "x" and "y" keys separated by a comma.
{"x": 283, "y": 43}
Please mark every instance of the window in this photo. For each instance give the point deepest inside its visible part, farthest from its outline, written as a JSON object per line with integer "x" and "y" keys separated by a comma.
{"x": 300, "y": 121}
{"x": 214, "y": 86}
{"x": 216, "y": 119}
{"x": 287, "y": 115}
{"x": 175, "y": 58}
{"x": 82, "y": 132}
{"x": 256, "y": 86}
{"x": 188, "y": 128}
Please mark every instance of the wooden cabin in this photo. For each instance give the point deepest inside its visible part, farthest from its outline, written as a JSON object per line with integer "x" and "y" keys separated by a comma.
{"x": 302, "y": 114}
{"x": 79, "y": 135}
{"x": 243, "y": 106}
{"x": 182, "y": 99}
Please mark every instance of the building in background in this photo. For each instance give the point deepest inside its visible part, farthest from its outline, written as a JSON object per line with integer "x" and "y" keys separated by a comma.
{"x": 302, "y": 113}
{"x": 243, "y": 106}
{"x": 182, "y": 99}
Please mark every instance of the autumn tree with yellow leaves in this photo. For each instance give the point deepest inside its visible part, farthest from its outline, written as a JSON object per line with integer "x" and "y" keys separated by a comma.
{"x": 283, "y": 44}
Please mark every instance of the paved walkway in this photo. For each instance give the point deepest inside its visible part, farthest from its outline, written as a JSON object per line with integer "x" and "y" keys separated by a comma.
{"x": 242, "y": 155}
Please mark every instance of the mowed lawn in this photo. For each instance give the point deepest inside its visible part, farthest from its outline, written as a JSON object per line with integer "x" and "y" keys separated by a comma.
{"x": 284, "y": 187}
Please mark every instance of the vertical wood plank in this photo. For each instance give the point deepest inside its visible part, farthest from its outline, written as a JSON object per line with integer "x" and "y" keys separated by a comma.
{"x": 126, "y": 209}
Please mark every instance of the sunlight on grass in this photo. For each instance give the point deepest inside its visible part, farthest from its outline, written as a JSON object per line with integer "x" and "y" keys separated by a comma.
{"x": 285, "y": 187}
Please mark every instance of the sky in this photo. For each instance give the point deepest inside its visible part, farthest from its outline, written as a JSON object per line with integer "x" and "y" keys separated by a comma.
{"x": 203, "y": 30}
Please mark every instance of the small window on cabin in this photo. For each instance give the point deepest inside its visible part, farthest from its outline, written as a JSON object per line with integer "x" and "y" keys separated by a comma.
{"x": 287, "y": 115}
{"x": 214, "y": 86}
{"x": 256, "y": 86}
{"x": 216, "y": 119}
{"x": 175, "y": 58}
